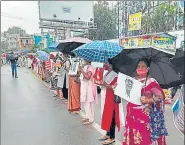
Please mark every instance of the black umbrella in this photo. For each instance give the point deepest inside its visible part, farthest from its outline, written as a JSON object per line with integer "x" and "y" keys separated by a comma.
{"x": 178, "y": 61}
{"x": 160, "y": 66}
{"x": 68, "y": 45}
{"x": 178, "y": 65}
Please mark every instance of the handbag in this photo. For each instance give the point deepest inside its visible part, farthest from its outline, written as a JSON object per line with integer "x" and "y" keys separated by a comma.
{"x": 117, "y": 99}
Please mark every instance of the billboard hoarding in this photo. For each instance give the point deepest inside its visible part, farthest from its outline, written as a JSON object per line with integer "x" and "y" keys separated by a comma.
{"x": 67, "y": 10}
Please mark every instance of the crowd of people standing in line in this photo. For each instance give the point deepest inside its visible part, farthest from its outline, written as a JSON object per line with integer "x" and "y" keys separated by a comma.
{"x": 144, "y": 125}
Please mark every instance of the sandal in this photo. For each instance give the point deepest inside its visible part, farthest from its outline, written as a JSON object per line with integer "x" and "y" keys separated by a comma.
{"x": 108, "y": 141}
{"x": 85, "y": 120}
{"x": 103, "y": 138}
{"x": 66, "y": 101}
{"x": 75, "y": 112}
{"x": 88, "y": 123}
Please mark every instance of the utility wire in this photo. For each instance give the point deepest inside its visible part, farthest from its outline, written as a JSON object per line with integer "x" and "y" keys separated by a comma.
{"x": 16, "y": 17}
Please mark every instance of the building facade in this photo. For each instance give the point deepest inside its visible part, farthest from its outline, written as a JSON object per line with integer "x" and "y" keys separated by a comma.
{"x": 26, "y": 42}
{"x": 4, "y": 44}
{"x": 12, "y": 35}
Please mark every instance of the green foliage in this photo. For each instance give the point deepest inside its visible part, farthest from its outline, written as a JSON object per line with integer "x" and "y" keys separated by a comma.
{"x": 161, "y": 20}
{"x": 105, "y": 18}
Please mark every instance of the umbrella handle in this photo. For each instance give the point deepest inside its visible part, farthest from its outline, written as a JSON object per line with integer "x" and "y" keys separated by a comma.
{"x": 105, "y": 56}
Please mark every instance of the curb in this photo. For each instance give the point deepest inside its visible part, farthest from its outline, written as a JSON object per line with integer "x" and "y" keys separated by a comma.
{"x": 95, "y": 125}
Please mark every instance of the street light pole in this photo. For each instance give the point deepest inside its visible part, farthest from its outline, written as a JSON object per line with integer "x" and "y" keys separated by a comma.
{"x": 54, "y": 16}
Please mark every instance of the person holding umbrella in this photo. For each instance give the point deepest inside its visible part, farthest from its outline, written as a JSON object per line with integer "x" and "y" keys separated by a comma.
{"x": 145, "y": 124}
{"x": 96, "y": 51}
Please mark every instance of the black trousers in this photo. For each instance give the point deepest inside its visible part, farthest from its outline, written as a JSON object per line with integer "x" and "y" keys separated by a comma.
{"x": 111, "y": 132}
{"x": 64, "y": 89}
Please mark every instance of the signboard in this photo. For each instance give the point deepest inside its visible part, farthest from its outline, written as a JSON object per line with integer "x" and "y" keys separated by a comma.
{"x": 74, "y": 67}
{"x": 113, "y": 40}
{"x": 135, "y": 21}
{"x": 178, "y": 113}
{"x": 164, "y": 42}
{"x": 180, "y": 38}
{"x": 37, "y": 40}
{"x": 67, "y": 10}
{"x": 129, "y": 89}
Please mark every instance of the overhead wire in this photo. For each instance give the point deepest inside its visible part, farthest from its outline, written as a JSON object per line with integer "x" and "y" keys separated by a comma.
{"x": 17, "y": 17}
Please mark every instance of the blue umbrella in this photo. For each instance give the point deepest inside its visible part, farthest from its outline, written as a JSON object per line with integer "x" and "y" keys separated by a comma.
{"x": 43, "y": 55}
{"x": 25, "y": 51}
{"x": 98, "y": 51}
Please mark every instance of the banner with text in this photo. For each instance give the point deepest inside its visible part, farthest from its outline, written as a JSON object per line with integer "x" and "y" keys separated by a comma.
{"x": 162, "y": 41}
{"x": 135, "y": 21}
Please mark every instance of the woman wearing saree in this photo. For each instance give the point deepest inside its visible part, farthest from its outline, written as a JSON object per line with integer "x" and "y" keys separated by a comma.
{"x": 145, "y": 123}
{"x": 74, "y": 95}
{"x": 111, "y": 110}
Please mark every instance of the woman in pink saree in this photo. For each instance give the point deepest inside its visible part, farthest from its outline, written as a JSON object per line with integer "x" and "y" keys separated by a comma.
{"x": 145, "y": 124}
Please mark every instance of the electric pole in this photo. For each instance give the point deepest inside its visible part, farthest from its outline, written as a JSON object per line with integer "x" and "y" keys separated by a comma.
{"x": 54, "y": 16}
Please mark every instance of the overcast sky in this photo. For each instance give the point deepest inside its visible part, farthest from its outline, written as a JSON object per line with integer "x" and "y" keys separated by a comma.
{"x": 20, "y": 13}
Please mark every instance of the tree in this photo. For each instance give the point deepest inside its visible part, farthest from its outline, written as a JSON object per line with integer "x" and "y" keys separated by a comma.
{"x": 161, "y": 20}
{"x": 105, "y": 18}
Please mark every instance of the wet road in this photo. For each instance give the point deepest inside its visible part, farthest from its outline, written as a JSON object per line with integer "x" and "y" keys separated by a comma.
{"x": 31, "y": 116}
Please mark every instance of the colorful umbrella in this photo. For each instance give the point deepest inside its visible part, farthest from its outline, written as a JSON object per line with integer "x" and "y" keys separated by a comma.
{"x": 43, "y": 55}
{"x": 98, "y": 51}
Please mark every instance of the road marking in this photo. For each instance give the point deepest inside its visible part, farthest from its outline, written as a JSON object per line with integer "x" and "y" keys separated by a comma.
{"x": 98, "y": 128}
{"x": 95, "y": 125}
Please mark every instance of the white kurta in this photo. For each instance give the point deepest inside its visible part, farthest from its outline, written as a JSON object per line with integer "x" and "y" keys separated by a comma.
{"x": 62, "y": 73}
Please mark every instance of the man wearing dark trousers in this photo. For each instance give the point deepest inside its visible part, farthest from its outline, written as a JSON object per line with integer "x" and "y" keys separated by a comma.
{"x": 13, "y": 60}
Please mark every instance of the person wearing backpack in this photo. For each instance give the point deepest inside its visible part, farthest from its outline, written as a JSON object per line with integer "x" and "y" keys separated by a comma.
{"x": 13, "y": 59}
